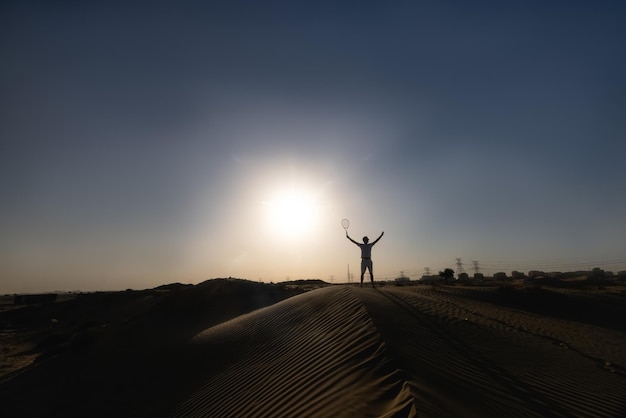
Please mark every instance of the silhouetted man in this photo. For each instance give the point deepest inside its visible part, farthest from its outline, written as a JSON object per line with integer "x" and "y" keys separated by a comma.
{"x": 366, "y": 255}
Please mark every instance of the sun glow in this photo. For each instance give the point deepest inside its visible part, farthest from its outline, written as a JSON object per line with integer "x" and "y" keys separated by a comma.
{"x": 292, "y": 213}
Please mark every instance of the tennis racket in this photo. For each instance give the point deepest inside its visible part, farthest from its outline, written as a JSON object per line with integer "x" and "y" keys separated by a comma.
{"x": 346, "y": 224}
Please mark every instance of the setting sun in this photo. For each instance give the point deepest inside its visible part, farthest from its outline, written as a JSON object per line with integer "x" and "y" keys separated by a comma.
{"x": 291, "y": 213}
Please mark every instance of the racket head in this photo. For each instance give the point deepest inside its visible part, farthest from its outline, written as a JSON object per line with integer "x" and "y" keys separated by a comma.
{"x": 346, "y": 224}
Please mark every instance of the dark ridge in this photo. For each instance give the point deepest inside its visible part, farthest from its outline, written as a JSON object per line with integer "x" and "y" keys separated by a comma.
{"x": 303, "y": 282}
{"x": 172, "y": 286}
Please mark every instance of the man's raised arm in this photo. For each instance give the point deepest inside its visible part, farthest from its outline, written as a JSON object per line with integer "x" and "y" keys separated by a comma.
{"x": 348, "y": 236}
{"x": 377, "y": 239}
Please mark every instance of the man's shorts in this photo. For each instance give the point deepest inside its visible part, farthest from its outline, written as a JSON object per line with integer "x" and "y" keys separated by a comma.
{"x": 366, "y": 263}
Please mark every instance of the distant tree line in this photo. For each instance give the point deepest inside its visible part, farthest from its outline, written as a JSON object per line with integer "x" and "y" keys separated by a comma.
{"x": 447, "y": 275}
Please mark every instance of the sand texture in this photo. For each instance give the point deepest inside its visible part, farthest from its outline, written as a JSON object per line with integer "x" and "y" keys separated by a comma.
{"x": 341, "y": 351}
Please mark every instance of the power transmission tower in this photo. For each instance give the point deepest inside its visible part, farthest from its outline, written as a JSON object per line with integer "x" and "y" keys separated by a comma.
{"x": 476, "y": 267}
{"x": 459, "y": 267}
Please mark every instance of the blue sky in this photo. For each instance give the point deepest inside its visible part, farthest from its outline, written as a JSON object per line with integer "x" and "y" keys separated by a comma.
{"x": 144, "y": 143}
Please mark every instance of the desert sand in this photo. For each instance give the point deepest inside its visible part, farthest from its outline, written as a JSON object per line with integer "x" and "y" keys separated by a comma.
{"x": 231, "y": 348}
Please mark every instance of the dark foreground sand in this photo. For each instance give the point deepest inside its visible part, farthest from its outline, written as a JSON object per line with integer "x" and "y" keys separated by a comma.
{"x": 336, "y": 351}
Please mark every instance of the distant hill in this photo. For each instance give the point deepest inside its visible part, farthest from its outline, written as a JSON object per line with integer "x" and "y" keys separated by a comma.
{"x": 172, "y": 286}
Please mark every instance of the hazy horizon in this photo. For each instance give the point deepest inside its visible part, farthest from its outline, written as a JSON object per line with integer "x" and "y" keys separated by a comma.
{"x": 145, "y": 144}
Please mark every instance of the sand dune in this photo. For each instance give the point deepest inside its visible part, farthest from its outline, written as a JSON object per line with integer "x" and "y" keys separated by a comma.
{"x": 317, "y": 354}
{"x": 391, "y": 352}
{"x": 345, "y": 352}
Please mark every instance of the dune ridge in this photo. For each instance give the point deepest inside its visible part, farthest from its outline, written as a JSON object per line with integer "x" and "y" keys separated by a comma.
{"x": 316, "y": 354}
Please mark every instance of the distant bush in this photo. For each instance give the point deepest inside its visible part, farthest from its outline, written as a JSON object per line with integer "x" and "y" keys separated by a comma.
{"x": 447, "y": 275}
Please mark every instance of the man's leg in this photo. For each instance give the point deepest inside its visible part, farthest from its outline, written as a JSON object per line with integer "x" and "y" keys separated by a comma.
{"x": 372, "y": 273}
{"x": 363, "y": 266}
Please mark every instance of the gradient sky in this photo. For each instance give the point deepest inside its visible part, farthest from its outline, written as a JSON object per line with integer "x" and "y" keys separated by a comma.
{"x": 144, "y": 143}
